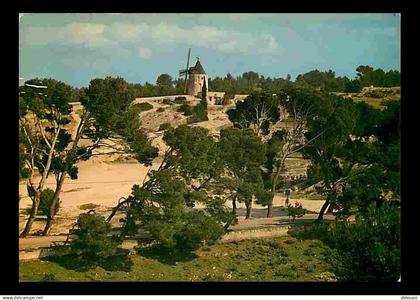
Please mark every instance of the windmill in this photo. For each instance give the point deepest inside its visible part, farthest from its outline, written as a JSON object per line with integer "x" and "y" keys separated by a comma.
{"x": 185, "y": 71}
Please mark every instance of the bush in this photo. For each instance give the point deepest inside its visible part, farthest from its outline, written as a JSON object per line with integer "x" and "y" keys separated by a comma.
{"x": 93, "y": 237}
{"x": 295, "y": 211}
{"x": 186, "y": 109}
{"x": 24, "y": 173}
{"x": 195, "y": 119}
{"x": 142, "y": 106}
{"x": 199, "y": 113}
{"x": 45, "y": 202}
{"x": 164, "y": 126}
{"x": 353, "y": 86}
{"x": 180, "y": 100}
{"x": 198, "y": 229}
{"x": 167, "y": 101}
{"x": 88, "y": 206}
{"x": 160, "y": 109}
{"x": 374, "y": 94}
{"x": 369, "y": 248}
{"x": 379, "y": 93}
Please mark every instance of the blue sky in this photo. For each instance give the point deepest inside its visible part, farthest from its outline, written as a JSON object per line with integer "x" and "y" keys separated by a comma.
{"x": 76, "y": 48}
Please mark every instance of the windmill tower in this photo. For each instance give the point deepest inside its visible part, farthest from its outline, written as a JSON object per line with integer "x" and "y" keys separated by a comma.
{"x": 195, "y": 78}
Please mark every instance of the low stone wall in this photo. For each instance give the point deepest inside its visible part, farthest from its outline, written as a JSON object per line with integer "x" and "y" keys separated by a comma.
{"x": 256, "y": 233}
{"x": 36, "y": 254}
{"x": 161, "y": 98}
{"x": 28, "y": 255}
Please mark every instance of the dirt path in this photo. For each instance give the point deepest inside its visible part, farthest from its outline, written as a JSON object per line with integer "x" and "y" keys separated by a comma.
{"x": 255, "y": 233}
{"x": 35, "y": 242}
{"x": 245, "y": 229}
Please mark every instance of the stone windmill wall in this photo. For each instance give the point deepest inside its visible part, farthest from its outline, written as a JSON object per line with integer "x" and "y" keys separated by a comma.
{"x": 197, "y": 77}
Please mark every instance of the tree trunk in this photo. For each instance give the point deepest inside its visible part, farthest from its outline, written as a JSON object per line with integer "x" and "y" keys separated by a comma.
{"x": 323, "y": 209}
{"x": 234, "y": 219}
{"x": 115, "y": 209}
{"x": 51, "y": 215}
{"x": 234, "y": 205}
{"x": 270, "y": 203}
{"x": 270, "y": 209}
{"x": 37, "y": 197}
{"x": 50, "y": 219}
{"x": 273, "y": 189}
{"x": 248, "y": 209}
{"x": 32, "y": 216}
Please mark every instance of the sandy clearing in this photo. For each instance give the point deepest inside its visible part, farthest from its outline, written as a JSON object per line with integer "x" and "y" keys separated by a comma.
{"x": 98, "y": 183}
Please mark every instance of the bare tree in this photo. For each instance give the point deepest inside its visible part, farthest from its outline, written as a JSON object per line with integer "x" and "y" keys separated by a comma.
{"x": 290, "y": 139}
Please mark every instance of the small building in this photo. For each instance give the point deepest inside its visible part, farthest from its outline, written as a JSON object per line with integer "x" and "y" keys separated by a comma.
{"x": 215, "y": 97}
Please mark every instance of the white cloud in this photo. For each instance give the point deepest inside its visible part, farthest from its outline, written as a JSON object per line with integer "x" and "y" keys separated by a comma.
{"x": 118, "y": 35}
{"x": 145, "y": 53}
{"x": 91, "y": 35}
{"x": 83, "y": 34}
{"x": 272, "y": 43}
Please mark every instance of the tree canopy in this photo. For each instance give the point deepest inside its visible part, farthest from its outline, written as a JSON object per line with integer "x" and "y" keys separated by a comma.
{"x": 257, "y": 112}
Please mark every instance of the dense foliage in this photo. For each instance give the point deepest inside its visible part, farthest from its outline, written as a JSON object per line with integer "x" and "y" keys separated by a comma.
{"x": 93, "y": 237}
{"x": 369, "y": 248}
{"x": 250, "y": 82}
{"x": 377, "y": 77}
{"x": 163, "y": 205}
{"x": 257, "y": 111}
{"x": 244, "y": 153}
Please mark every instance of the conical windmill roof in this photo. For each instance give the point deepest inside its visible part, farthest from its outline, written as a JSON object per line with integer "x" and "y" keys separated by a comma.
{"x": 197, "y": 69}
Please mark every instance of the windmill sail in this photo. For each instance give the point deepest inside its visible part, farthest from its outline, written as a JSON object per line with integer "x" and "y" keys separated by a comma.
{"x": 185, "y": 71}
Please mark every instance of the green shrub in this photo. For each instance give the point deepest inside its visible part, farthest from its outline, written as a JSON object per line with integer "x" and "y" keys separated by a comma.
{"x": 88, "y": 206}
{"x": 379, "y": 93}
{"x": 24, "y": 173}
{"x": 195, "y": 119}
{"x": 369, "y": 248}
{"x": 199, "y": 113}
{"x": 167, "y": 101}
{"x": 295, "y": 211}
{"x": 198, "y": 229}
{"x": 160, "y": 109}
{"x": 142, "y": 106}
{"x": 164, "y": 126}
{"x": 180, "y": 100}
{"x": 93, "y": 237}
{"x": 184, "y": 230}
{"x": 186, "y": 109}
{"x": 375, "y": 94}
{"x": 45, "y": 202}
{"x": 316, "y": 231}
